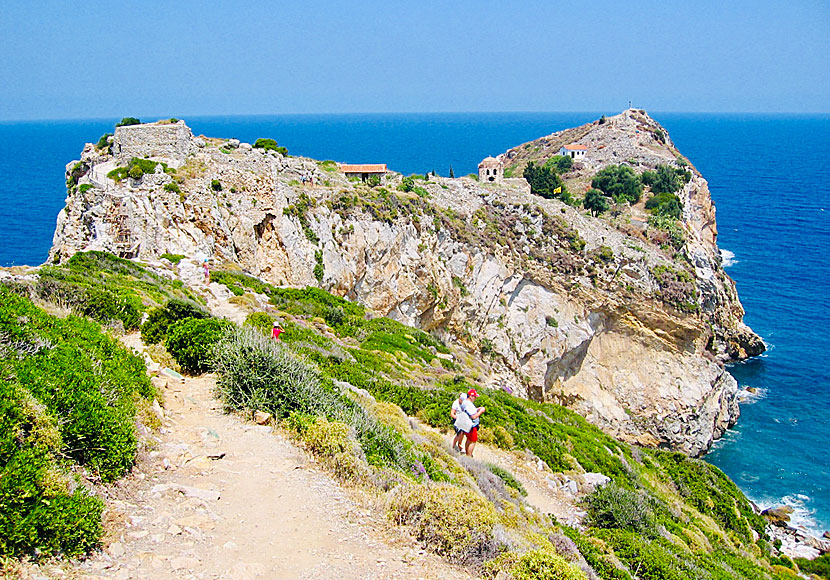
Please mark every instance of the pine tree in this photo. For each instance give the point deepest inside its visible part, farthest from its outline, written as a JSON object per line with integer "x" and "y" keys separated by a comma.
{"x": 452, "y": 174}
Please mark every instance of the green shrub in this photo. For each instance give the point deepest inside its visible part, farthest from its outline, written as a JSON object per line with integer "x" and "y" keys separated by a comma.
{"x": 544, "y": 565}
{"x": 216, "y": 185}
{"x": 266, "y": 144}
{"x": 78, "y": 170}
{"x": 619, "y": 182}
{"x": 83, "y": 378}
{"x": 667, "y": 204}
{"x": 173, "y": 258}
{"x": 104, "y": 305}
{"x": 614, "y": 507}
{"x": 819, "y": 566}
{"x": 155, "y": 329}
{"x": 190, "y": 341}
{"x": 373, "y": 181}
{"x": 119, "y": 173}
{"x": 38, "y": 511}
{"x": 560, "y": 163}
{"x": 507, "y": 478}
{"x": 261, "y": 321}
{"x": 85, "y": 187}
{"x": 103, "y": 142}
{"x": 126, "y": 121}
{"x": 135, "y": 172}
{"x": 707, "y": 488}
{"x": 595, "y": 202}
{"x": 172, "y": 187}
{"x": 327, "y": 438}
{"x": 407, "y": 184}
{"x": 669, "y": 225}
{"x": 544, "y": 181}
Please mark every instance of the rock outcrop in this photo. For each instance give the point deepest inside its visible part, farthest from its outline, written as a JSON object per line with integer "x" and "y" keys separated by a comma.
{"x": 563, "y": 306}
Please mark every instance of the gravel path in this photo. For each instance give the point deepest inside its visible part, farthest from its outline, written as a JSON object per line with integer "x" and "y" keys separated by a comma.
{"x": 219, "y": 497}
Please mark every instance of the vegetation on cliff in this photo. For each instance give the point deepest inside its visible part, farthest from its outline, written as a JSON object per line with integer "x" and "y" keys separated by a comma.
{"x": 347, "y": 387}
{"x": 69, "y": 395}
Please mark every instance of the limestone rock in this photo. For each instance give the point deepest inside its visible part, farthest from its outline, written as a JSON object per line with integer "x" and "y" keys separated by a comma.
{"x": 780, "y": 516}
{"x": 560, "y": 324}
{"x": 262, "y": 418}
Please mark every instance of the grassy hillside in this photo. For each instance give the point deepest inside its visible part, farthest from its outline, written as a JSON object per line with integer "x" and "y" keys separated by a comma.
{"x": 367, "y": 396}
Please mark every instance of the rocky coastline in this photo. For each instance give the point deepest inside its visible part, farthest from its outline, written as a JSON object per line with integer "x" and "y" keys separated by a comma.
{"x": 565, "y": 307}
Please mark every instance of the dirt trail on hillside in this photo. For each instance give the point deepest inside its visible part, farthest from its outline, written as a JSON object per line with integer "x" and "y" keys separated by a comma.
{"x": 219, "y": 497}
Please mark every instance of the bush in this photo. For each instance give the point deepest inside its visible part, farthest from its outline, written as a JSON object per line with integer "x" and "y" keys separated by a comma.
{"x": 82, "y": 378}
{"x": 560, "y": 163}
{"x": 667, "y": 179}
{"x": 498, "y": 436}
{"x": 451, "y": 521}
{"x": 38, "y": 511}
{"x": 373, "y": 181}
{"x": 667, "y": 204}
{"x": 155, "y": 329}
{"x": 216, "y": 185}
{"x": 266, "y": 144}
{"x": 135, "y": 172}
{"x": 407, "y": 184}
{"x": 507, "y": 478}
{"x": 103, "y": 142}
{"x": 614, "y": 507}
{"x": 126, "y": 121}
{"x": 103, "y": 305}
{"x": 261, "y": 321}
{"x": 190, "y": 341}
{"x": 619, "y": 182}
{"x": 595, "y": 202}
{"x": 544, "y": 565}
{"x": 327, "y": 438}
{"x": 172, "y": 187}
{"x": 819, "y": 566}
{"x": 544, "y": 181}
{"x": 258, "y": 373}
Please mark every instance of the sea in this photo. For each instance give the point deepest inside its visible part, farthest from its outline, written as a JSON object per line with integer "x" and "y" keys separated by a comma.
{"x": 769, "y": 176}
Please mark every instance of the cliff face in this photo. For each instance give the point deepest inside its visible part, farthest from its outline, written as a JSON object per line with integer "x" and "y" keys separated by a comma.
{"x": 562, "y": 306}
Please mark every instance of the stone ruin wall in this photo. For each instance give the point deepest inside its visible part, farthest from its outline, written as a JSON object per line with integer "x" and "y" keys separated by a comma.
{"x": 169, "y": 143}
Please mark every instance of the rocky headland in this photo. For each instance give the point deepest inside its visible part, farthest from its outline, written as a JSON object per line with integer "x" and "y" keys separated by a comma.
{"x": 598, "y": 314}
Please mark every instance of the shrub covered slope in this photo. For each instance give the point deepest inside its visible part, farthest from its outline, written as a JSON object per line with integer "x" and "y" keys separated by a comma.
{"x": 663, "y": 515}
{"x": 349, "y": 388}
{"x": 68, "y": 400}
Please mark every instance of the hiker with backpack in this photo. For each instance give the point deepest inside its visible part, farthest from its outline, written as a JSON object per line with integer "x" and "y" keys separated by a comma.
{"x": 467, "y": 421}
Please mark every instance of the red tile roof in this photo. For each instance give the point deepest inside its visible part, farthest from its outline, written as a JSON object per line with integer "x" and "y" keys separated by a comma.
{"x": 575, "y": 147}
{"x": 363, "y": 168}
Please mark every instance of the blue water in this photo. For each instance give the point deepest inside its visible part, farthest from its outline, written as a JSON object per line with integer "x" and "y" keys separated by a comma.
{"x": 770, "y": 179}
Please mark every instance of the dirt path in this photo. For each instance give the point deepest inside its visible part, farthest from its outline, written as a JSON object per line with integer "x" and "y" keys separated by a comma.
{"x": 218, "y": 497}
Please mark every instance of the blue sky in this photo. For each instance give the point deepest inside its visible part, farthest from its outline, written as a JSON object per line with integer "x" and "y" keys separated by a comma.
{"x": 64, "y": 60}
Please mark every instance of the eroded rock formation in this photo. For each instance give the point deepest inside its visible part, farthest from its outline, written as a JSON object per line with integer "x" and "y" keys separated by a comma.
{"x": 563, "y": 306}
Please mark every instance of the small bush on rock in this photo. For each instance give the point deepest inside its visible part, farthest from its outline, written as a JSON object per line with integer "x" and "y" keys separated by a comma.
{"x": 126, "y": 121}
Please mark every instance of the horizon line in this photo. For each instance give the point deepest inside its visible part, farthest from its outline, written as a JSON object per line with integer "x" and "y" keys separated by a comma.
{"x": 402, "y": 113}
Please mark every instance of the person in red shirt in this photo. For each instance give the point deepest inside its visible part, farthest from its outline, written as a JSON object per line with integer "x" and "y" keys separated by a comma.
{"x": 277, "y": 331}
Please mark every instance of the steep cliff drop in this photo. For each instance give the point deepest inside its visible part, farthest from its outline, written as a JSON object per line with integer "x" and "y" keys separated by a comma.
{"x": 608, "y": 315}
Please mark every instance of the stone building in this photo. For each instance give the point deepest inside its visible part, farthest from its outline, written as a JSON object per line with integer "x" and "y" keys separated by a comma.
{"x": 163, "y": 141}
{"x": 364, "y": 170}
{"x": 491, "y": 169}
